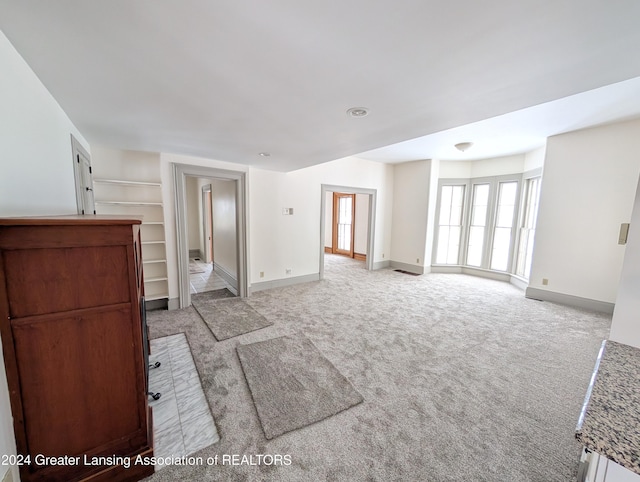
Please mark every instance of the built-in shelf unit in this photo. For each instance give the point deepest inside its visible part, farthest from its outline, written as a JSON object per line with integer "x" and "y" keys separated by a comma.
{"x": 129, "y": 183}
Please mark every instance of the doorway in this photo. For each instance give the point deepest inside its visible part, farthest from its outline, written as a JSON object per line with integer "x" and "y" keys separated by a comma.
{"x": 231, "y": 206}
{"x": 340, "y": 213}
{"x": 212, "y": 266}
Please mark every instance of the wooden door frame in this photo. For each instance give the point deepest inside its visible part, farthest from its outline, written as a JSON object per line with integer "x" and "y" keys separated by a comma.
{"x": 334, "y": 224}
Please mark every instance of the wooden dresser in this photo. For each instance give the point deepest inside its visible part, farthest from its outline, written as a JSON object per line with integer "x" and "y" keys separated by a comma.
{"x": 75, "y": 348}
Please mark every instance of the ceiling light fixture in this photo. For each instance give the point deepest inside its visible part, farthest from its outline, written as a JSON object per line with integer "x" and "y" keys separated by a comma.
{"x": 463, "y": 146}
{"x": 264, "y": 154}
{"x": 358, "y": 112}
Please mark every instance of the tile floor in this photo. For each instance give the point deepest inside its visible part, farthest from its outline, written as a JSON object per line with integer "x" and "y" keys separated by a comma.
{"x": 181, "y": 417}
{"x": 203, "y": 277}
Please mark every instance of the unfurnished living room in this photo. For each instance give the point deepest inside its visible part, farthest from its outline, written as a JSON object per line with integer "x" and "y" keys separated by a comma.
{"x": 342, "y": 241}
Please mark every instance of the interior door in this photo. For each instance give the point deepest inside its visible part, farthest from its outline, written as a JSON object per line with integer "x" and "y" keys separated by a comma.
{"x": 83, "y": 177}
{"x": 344, "y": 207}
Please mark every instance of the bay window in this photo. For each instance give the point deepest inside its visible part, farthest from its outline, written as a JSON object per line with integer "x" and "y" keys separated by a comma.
{"x": 486, "y": 223}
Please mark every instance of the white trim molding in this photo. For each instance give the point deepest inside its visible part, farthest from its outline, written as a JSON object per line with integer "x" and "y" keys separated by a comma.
{"x": 569, "y": 300}
{"x": 277, "y": 283}
{"x": 180, "y": 172}
{"x": 228, "y": 277}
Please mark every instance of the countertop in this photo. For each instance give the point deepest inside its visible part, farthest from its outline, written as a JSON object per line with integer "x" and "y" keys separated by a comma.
{"x": 609, "y": 423}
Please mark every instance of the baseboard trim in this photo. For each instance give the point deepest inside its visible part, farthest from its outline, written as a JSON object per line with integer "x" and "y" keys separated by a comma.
{"x": 569, "y": 300}
{"x": 228, "y": 277}
{"x": 159, "y": 304}
{"x": 360, "y": 256}
{"x": 411, "y": 268}
{"x": 194, "y": 253}
{"x": 484, "y": 273}
{"x": 173, "y": 304}
{"x": 380, "y": 264}
{"x": 446, "y": 269}
{"x": 278, "y": 283}
{"x": 518, "y": 282}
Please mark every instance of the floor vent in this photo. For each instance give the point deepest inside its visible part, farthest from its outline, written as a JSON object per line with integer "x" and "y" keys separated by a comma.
{"x": 406, "y": 272}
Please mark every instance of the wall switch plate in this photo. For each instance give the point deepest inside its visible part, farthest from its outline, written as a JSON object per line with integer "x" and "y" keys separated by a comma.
{"x": 261, "y": 274}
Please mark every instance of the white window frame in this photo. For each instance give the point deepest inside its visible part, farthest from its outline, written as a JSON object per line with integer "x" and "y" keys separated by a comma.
{"x": 489, "y": 231}
{"x": 485, "y": 235}
{"x": 463, "y": 227}
{"x": 532, "y": 174}
{"x": 514, "y": 221}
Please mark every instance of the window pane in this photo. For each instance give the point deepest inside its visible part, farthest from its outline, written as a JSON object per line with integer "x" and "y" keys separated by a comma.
{"x": 476, "y": 242}
{"x": 456, "y": 205}
{"x": 504, "y": 222}
{"x": 506, "y": 204}
{"x": 478, "y": 222}
{"x": 454, "y": 245}
{"x": 531, "y": 203}
{"x": 445, "y": 205}
{"x": 345, "y": 207}
{"x": 480, "y": 201}
{"x": 500, "y": 254}
{"x": 529, "y": 255}
{"x": 443, "y": 244}
{"x": 450, "y": 224}
{"x": 528, "y": 224}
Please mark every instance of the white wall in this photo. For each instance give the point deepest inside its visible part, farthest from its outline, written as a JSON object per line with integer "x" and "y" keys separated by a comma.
{"x": 361, "y": 224}
{"x": 193, "y": 213}
{"x": 455, "y": 169}
{"x": 223, "y": 194}
{"x": 588, "y": 189}
{"x": 37, "y": 170}
{"x": 410, "y": 211}
{"x": 35, "y": 152}
{"x": 625, "y": 326}
{"x": 535, "y": 159}
{"x": 498, "y": 166}
{"x": 279, "y": 242}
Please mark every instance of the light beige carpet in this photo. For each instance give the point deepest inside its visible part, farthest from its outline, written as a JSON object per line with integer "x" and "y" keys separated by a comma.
{"x": 464, "y": 379}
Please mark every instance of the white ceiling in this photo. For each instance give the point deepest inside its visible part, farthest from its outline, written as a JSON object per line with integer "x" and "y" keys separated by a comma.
{"x": 230, "y": 79}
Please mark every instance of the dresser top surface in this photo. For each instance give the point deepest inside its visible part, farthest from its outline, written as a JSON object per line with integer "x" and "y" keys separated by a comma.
{"x": 69, "y": 220}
